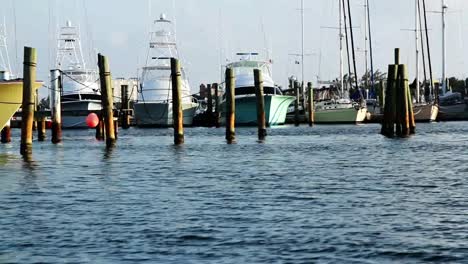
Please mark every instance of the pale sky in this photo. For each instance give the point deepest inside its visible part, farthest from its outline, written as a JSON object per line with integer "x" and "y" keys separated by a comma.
{"x": 209, "y": 31}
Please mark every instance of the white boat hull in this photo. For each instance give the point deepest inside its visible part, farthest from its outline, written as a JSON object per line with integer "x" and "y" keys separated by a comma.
{"x": 340, "y": 116}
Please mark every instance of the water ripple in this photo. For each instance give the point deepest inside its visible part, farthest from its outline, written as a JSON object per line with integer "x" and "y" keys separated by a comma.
{"x": 328, "y": 194}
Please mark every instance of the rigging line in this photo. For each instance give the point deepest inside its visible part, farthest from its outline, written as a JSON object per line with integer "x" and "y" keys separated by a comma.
{"x": 353, "y": 50}
{"x": 370, "y": 47}
{"x": 350, "y": 79}
{"x": 436, "y": 92}
{"x": 423, "y": 52}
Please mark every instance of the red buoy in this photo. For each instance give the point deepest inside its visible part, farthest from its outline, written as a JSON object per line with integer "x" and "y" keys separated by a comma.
{"x": 92, "y": 120}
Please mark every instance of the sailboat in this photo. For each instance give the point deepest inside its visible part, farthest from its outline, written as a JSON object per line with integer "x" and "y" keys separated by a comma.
{"x": 340, "y": 109}
{"x": 276, "y": 104}
{"x": 80, "y": 89}
{"x": 423, "y": 111}
{"x": 451, "y": 105}
{"x": 153, "y": 107}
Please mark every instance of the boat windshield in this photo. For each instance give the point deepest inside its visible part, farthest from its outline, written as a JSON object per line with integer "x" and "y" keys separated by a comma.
{"x": 247, "y": 67}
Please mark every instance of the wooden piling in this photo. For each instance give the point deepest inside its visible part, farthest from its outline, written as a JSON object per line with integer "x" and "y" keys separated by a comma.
{"x": 125, "y": 107}
{"x": 36, "y": 104}
{"x": 177, "y": 112}
{"x": 41, "y": 129}
{"x": 382, "y": 95}
{"x": 107, "y": 99}
{"x": 209, "y": 107}
{"x": 100, "y": 129}
{"x": 261, "y": 120}
{"x": 412, "y": 121}
{"x": 29, "y": 77}
{"x": 296, "y": 103}
{"x": 388, "y": 122}
{"x": 230, "y": 106}
{"x": 6, "y": 133}
{"x": 397, "y": 56}
{"x": 216, "y": 105}
{"x": 55, "y": 106}
{"x": 404, "y": 112}
{"x": 310, "y": 104}
{"x": 398, "y": 108}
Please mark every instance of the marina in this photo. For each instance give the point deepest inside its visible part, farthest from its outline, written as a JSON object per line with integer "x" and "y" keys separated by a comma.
{"x": 202, "y": 147}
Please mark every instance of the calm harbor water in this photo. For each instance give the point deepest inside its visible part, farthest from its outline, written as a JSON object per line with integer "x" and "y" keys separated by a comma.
{"x": 330, "y": 194}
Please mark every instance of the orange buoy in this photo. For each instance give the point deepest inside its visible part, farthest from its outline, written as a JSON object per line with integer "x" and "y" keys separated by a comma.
{"x": 92, "y": 120}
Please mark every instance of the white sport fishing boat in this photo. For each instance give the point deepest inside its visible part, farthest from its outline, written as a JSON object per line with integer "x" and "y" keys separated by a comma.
{"x": 80, "y": 87}
{"x": 276, "y": 104}
{"x": 153, "y": 107}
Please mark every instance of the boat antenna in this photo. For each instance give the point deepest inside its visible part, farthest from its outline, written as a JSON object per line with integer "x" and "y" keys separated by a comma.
{"x": 353, "y": 50}
{"x": 174, "y": 19}
{"x": 265, "y": 40}
{"x": 15, "y": 36}
{"x": 89, "y": 34}
{"x": 370, "y": 48}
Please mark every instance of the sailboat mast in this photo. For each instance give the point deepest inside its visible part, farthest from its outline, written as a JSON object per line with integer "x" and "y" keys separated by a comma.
{"x": 370, "y": 48}
{"x": 429, "y": 62}
{"x": 341, "y": 47}
{"x": 302, "y": 48}
{"x": 353, "y": 50}
{"x": 417, "y": 49}
{"x": 350, "y": 80}
{"x": 423, "y": 54}
{"x": 366, "y": 82}
{"x": 444, "y": 52}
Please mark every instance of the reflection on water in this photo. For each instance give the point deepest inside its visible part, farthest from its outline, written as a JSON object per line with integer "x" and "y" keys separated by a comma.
{"x": 336, "y": 194}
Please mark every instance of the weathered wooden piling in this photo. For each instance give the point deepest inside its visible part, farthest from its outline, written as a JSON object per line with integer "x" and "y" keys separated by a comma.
{"x": 310, "y": 104}
{"x": 55, "y": 106}
{"x": 36, "y": 104}
{"x": 398, "y": 109}
{"x": 296, "y": 103}
{"x": 412, "y": 121}
{"x": 382, "y": 95}
{"x": 209, "y": 106}
{"x": 41, "y": 129}
{"x": 403, "y": 98}
{"x": 124, "y": 107}
{"x": 261, "y": 119}
{"x": 100, "y": 129}
{"x": 230, "y": 106}
{"x": 177, "y": 112}
{"x": 216, "y": 105}
{"x": 107, "y": 99}
{"x": 29, "y": 77}
{"x": 6, "y": 133}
